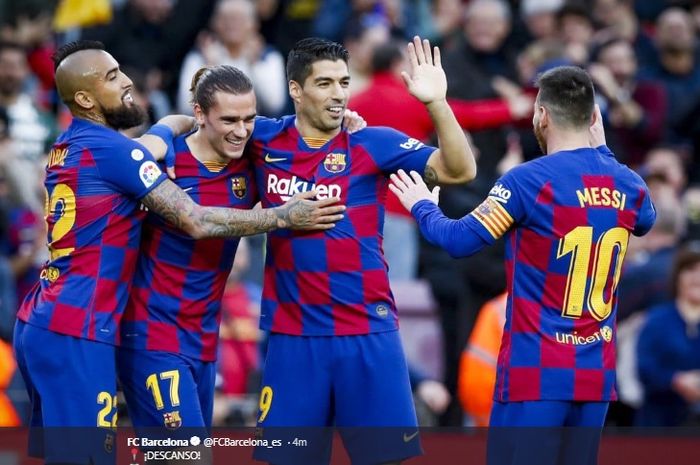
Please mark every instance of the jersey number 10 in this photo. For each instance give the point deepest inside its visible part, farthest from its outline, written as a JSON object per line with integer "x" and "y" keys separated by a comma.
{"x": 608, "y": 255}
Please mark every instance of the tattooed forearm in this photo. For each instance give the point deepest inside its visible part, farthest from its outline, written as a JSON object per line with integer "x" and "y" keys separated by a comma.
{"x": 430, "y": 177}
{"x": 297, "y": 214}
{"x": 178, "y": 209}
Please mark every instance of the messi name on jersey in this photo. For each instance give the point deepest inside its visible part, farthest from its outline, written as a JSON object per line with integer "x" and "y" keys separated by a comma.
{"x": 601, "y": 197}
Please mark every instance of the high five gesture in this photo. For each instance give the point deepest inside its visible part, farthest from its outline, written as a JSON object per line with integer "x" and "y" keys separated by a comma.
{"x": 426, "y": 80}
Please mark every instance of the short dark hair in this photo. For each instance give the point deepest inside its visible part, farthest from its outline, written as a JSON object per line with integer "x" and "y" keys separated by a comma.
{"x": 73, "y": 47}
{"x": 578, "y": 10}
{"x": 600, "y": 48}
{"x": 15, "y": 46}
{"x": 385, "y": 56}
{"x": 567, "y": 93}
{"x": 686, "y": 257}
{"x": 222, "y": 78}
{"x": 308, "y": 51}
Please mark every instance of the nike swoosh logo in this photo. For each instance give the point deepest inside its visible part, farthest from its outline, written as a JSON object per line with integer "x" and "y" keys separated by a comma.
{"x": 269, "y": 159}
{"x": 187, "y": 189}
{"x": 408, "y": 437}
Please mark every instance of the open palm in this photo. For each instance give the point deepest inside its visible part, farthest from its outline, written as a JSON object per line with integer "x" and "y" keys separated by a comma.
{"x": 426, "y": 79}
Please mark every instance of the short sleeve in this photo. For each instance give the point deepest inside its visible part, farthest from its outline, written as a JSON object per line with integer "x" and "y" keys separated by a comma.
{"x": 646, "y": 217}
{"x": 392, "y": 150}
{"x": 129, "y": 167}
{"x": 502, "y": 208}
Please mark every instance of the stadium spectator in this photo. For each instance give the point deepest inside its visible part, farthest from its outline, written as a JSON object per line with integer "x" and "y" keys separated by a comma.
{"x": 575, "y": 30}
{"x": 617, "y": 18}
{"x": 540, "y": 18}
{"x": 668, "y": 164}
{"x": 477, "y": 366}
{"x": 668, "y": 349}
{"x": 691, "y": 203}
{"x": 31, "y": 128}
{"x": 647, "y": 277}
{"x": 635, "y": 109}
{"x": 362, "y": 37}
{"x": 284, "y": 22}
{"x": 677, "y": 65}
{"x": 236, "y": 41}
{"x": 153, "y": 36}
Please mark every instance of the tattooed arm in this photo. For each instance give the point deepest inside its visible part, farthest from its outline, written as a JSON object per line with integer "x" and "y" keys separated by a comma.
{"x": 453, "y": 162}
{"x": 176, "y": 207}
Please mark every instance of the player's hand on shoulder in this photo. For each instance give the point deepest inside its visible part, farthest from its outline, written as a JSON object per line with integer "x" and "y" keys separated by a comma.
{"x": 596, "y": 130}
{"x": 353, "y": 122}
{"x": 303, "y": 212}
{"x": 411, "y": 189}
{"x": 426, "y": 79}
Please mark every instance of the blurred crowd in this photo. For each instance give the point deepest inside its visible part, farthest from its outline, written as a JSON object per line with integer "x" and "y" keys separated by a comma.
{"x": 643, "y": 56}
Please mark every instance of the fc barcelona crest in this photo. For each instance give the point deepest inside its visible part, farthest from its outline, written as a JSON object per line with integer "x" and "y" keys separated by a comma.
{"x": 335, "y": 162}
{"x": 172, "y": 419}
{"x": 239, "y": 186}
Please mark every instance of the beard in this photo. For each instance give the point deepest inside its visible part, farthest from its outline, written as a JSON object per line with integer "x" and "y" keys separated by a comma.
{"x": 541, "y": 141}
{"x": 124, "y": 117}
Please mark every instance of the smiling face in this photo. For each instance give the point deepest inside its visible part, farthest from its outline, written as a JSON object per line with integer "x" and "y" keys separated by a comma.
{"x": 106, "y": 90}
{"x": 229, "y": 123}
{"x": 321, "y": 99}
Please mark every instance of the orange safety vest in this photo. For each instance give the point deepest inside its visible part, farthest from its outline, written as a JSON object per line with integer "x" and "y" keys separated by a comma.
{"x": 8, "y": 414}
{"x": 477, "y": 366}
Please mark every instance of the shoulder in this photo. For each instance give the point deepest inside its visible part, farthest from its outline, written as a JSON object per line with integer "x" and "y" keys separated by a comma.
{"x": 268, "y": 128}
{"x": 384, "y": 140}
{"x": 532, "y": 168}
{"x": 99, "y": 139}
{"x": 660, "y": 313}
{"x": 374, "y": 134}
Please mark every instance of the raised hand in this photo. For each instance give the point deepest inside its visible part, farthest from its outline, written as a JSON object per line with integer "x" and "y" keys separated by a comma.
{"x": 411, "y": 189}
{"x": 596, "y": 136}
{"x": 426, "y": 79}
{"x": 301, "y": 212}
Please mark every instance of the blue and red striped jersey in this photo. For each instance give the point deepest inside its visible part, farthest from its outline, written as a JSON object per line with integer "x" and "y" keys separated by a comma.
{"x": 567, "y": 218}
{"x": 330, "y": 282}
{"x": 179, "y": 281}
{"x": 95, "y": 177}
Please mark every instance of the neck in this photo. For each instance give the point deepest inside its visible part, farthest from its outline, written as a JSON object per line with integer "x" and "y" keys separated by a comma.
{"x": 560, "y": 140}
{"x": 307, "y": 129}
{"x": 201, "y": 149}
{"x": 7, "y": 100}
{"x": 96, "y": 118}
{"x": 235, "y": 50}
{"x": 689, "y": 311}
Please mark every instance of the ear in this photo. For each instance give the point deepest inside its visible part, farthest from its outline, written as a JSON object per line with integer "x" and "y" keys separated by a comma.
{"x": 199, "y": 115}
{"x": 544, "y": 116}
{"x": 84, "y": 100}
{"x": 295, "y": 91}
